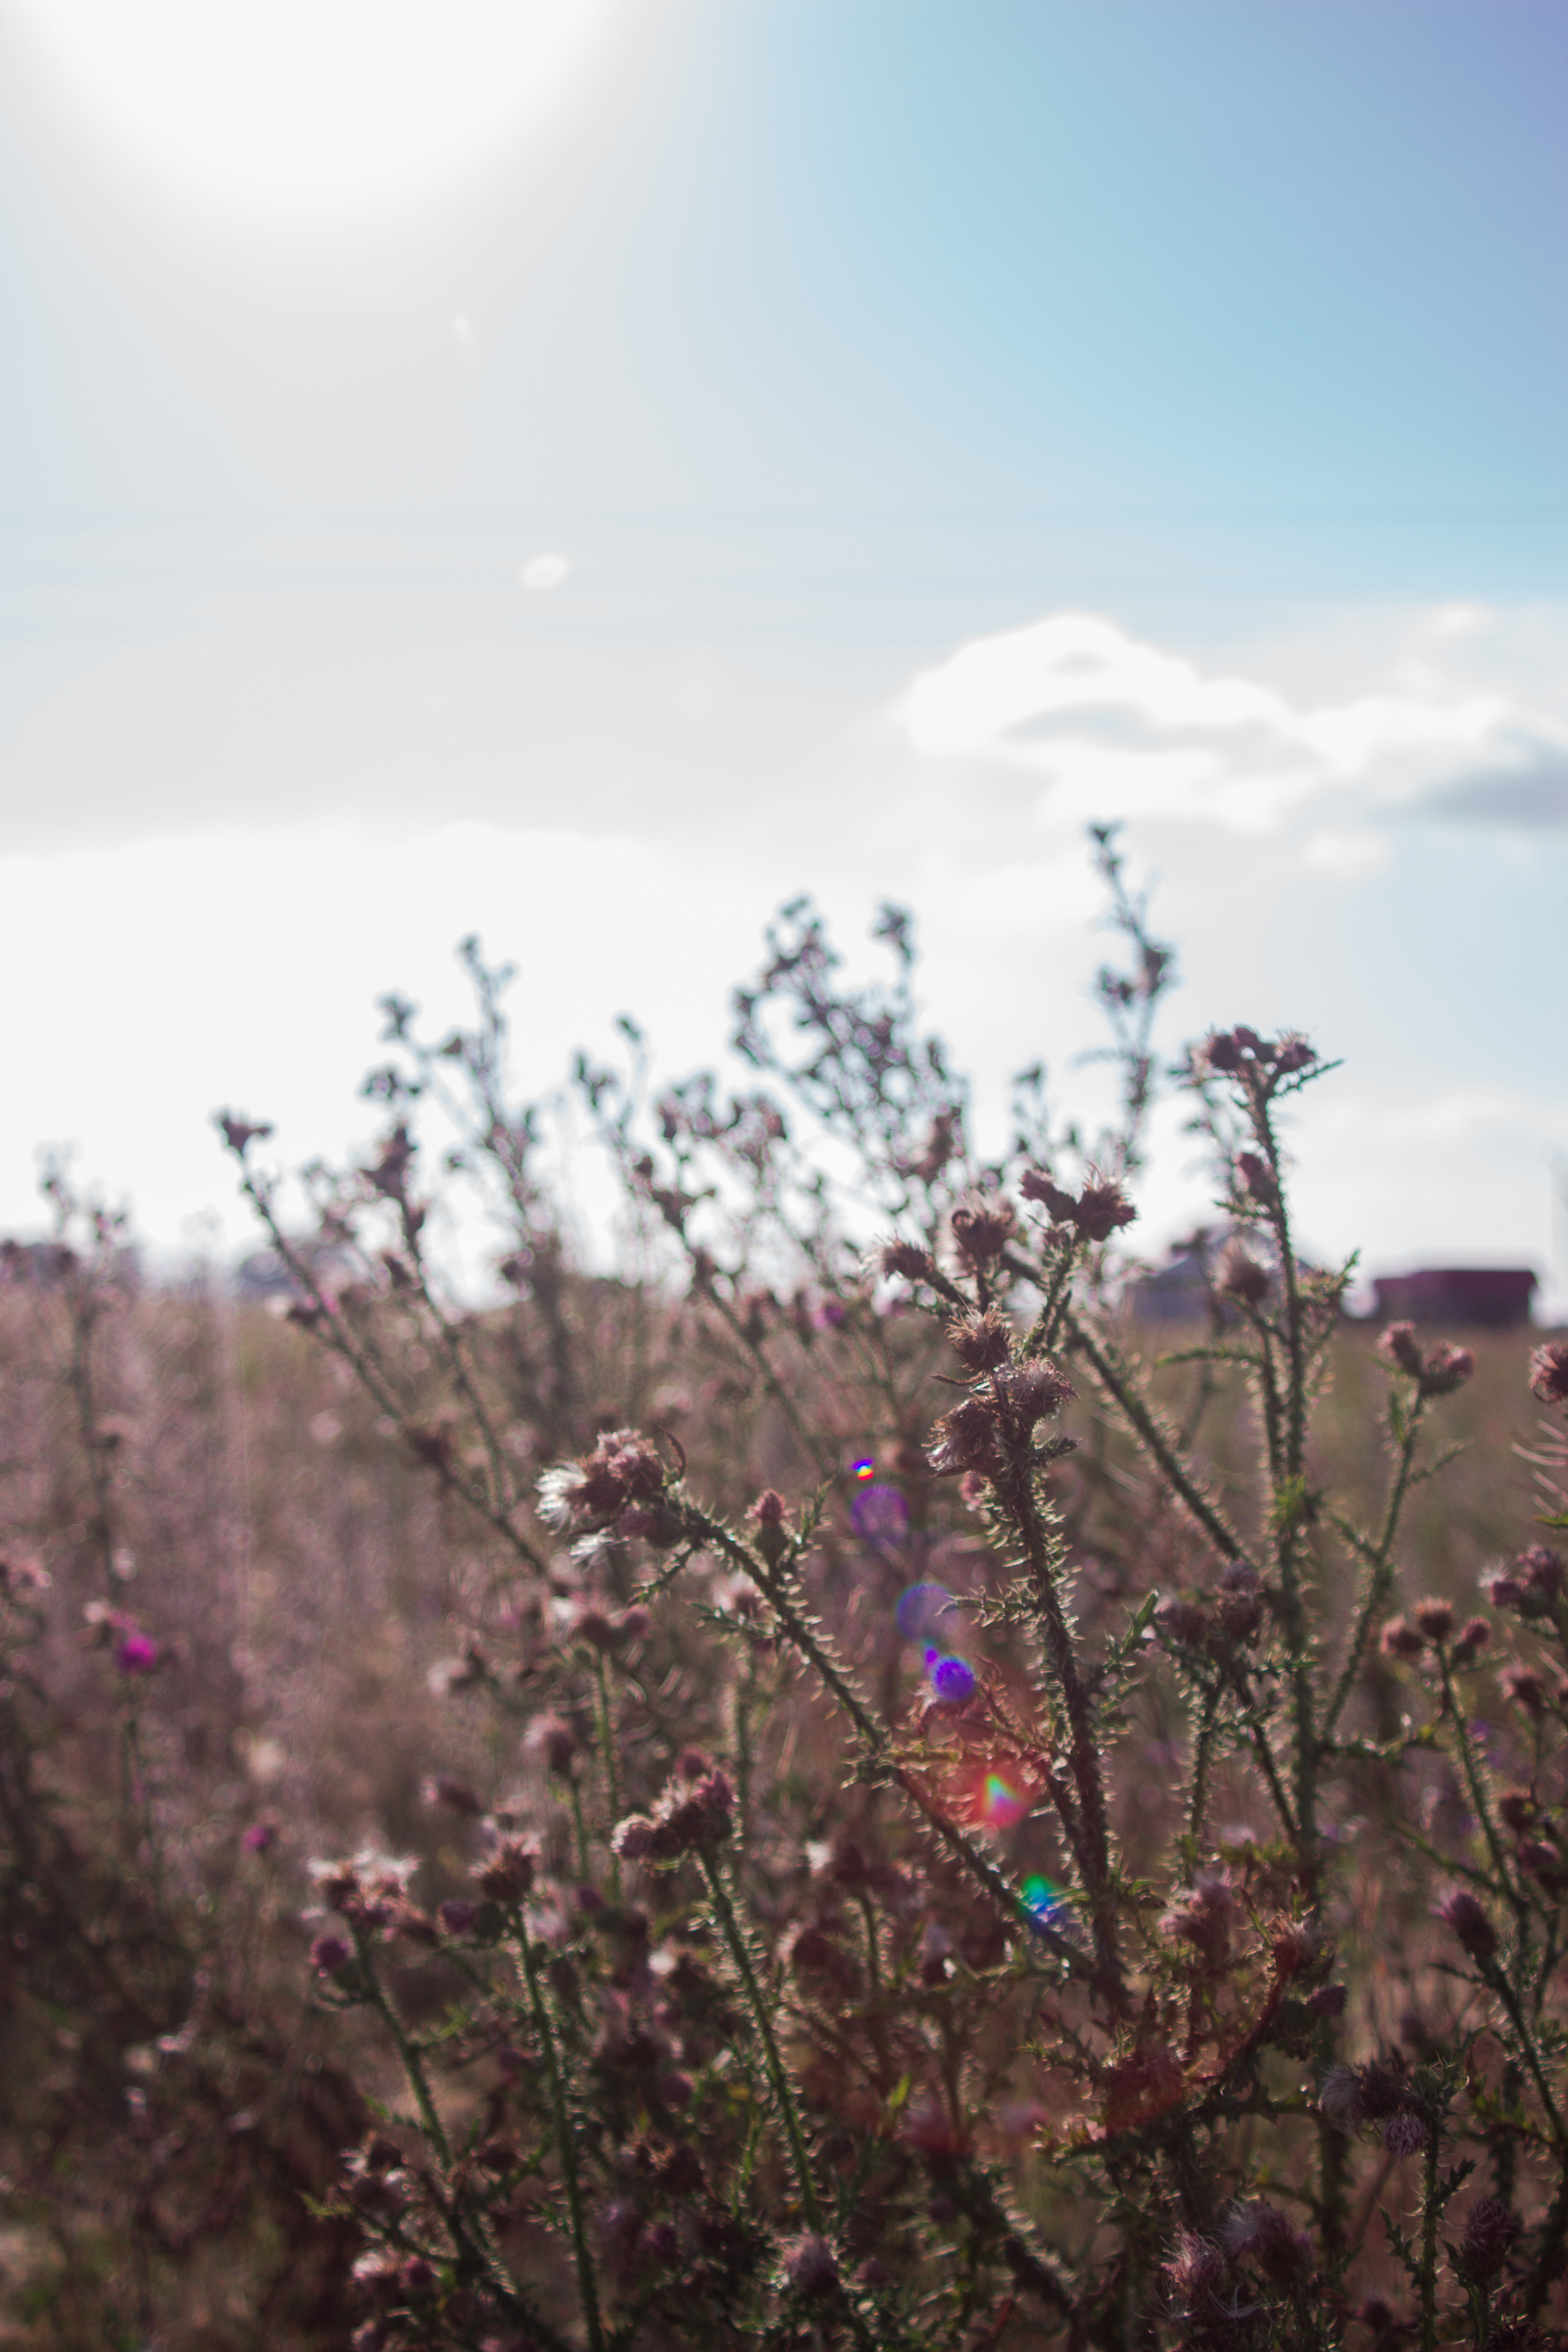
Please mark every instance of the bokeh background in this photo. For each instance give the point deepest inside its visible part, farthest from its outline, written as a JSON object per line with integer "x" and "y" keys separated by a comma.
{"x": 584, "y": 470}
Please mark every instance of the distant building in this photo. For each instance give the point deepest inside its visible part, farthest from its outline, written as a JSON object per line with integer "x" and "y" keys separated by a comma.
{"x": 1178, "y": 1293}
{"x": 1497, "y": 1297}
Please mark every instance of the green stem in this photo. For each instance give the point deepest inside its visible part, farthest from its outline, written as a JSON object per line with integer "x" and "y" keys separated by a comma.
{"x": 607, "y": 1756}
{"x": 566, "y": 2139}
{"x": 783, "y": 2097}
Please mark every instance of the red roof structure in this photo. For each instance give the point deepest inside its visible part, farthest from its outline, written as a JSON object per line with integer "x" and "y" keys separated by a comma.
{"x": 1497, "y": 1297}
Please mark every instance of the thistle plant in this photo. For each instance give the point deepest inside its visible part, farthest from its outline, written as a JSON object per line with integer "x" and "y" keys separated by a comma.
{"x": 927, "y": 1818}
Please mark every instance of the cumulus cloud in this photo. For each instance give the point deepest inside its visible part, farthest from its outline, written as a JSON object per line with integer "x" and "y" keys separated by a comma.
{"x": 1117, "y": 727}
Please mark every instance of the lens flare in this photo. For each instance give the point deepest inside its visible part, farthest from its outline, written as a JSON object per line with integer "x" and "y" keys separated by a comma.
{"x": 864, "y": 1468}
{"x": 1042, "y": 1900}
{"x": 1002, "y": 1805}
{"x": 879, "y": 1514}
{"x": 952, "y": 1679}
{"x": 921, "y": 1611}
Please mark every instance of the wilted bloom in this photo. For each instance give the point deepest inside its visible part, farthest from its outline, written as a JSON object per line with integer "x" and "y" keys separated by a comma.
{"x": 811, "y": 2266}
{"x": 693, "y": 1813}
{"x": 1461, "y": 1912}
{"x": 1445, "y": 1368}
{"x": 1340, "y": 2098}
{"x": 1541, "y": 1570}
{"x": 1397, "y": 1347}
{"x": 1548, "y": 1372}
{"x": 1259, "y": 2232}
{"x": 623, "y": 1467}
{"x": 1490, "y": 2231}
{"x": 980, "y": 1342}
{"x": 1240, "y": 1601}
{"x": 1256, "y": 1177}
{"x": 553, "y": 1740}
{"x": 1197, "y": 2267}
{"x": 1241, "y": 1276}
{"x": 1203, "y": 1915}
{"x": 1100, "y": 1210}
{"x": 1406, "y": 2134}
{"x": 981, "y": 1225}
{"x": 905, "y": 1259}
{"x": 1525, "y": 1687}
{"x": 1398, "y": 1640}
{"x": 446, "y": 1789}
{"x": 509, "y": 1873}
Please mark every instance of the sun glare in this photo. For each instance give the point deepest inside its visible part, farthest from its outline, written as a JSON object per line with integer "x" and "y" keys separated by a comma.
{"x": 294, "y": 112}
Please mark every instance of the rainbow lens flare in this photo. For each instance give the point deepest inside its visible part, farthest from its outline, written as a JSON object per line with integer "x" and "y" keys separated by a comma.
{"x": 879, "y": 1514}
{"x": 952, "y": 1679}
{"x": 920, "y": 1611}
{"x": 1042, "y": 1900}
{"x": 864, "y": 1468}
{"x": 1002, "y": 1805}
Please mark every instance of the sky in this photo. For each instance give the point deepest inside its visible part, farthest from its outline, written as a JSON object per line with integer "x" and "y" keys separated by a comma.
{"x": 584, "y": 470}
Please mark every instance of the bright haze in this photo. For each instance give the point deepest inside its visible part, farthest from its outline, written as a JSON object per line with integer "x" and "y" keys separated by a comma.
{"x": 584, "y": 472}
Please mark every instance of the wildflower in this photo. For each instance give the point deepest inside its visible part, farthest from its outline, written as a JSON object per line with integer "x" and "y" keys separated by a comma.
{"x": 457, "y": 1918}
{"x": 1195, "y": 2270}
{"x": 1259, "y": 2232}
{"x": 1242, "y": 1277}
{"x": 981, "y": 1342}
{"x": 1100, "y": 1210}
{"x": 1461, "y": 1912}
{"x": 1328, "y": 2001}
{"x": 1548, "y": 1372}
{"x": 330, "y": 1954}
{"x": 1340, "y": 2098}
{"x": 1472, "y": 1638}
{"x": 1540, "y": 1571}
{"x": 811, "y": 2266}
{"x": 767, "y": 1515}
{"x": 693, "y": 1813}
{"x": 1257, "y": 1178}
{"x": 446, "y": 1789}
{"x": 1180, "y": 1622}
{"x": 1397, "y": 1346}
{"x": 1405, "y": 2134}
{"x": 981, "y": 1226}
{"x": 1445, "y": 1368}
{"x": 1398, "y": 1640}
{"x": 1204, "y": 1915}
{"x": 1241, "y": 1604}
{"x": 239, "y": 1134}
{"x": 1490, "y": 2231}
{"x": 1503, "y": 1589}
{"x": 622, "y": 1468}
{"x": 509, "y": 1874}
{"x": 553, "y": 1740}
{"x": 136, "y": 1652}
{"x": 260, "y": 1837}
{"x": 1433, "y": 1618}
{"x": 1525, "y": 1687}
{"x": 905, "y": 1259}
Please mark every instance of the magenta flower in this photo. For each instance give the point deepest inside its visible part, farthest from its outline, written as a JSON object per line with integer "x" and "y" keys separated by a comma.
{"x": 136, "y": 1652}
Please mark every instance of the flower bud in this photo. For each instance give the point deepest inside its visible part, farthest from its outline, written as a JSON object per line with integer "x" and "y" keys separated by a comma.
{"x": 1405, "y": 2134}
{"x": 811, "y": 2266}
{"x": 1548, "y": 1372}
{"x": 1461, "y": 1912}
{"x": 1433, "y": 1618}
{"x": 1490, "y": 2231}
{"x": 1397, "y": 1347}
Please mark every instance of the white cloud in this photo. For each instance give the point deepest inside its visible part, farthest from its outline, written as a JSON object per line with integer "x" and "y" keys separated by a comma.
{"x": 1347, "y": 856}
{"x": 544, "y": 572}
{"x": 1119, "y": 728}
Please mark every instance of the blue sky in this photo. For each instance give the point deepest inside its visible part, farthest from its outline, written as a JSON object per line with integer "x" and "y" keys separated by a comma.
{"x": 817, "y": 342}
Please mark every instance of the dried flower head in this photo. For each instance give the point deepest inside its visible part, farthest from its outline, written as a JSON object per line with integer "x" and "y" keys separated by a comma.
{"x": 1490, "y": 2231}
{"x": 1433, "y": 1618}
{"x": 1548, "y": 1372}
{"x": 1398, "y": 1640}
{"x": 1398, "y": 1348}
{"x": 981, "y": 1342}
{"x": 622, "y": 1468}
{"x": 905, "y": 1259}
{"x": 1461, "y": 1912}
{"x": 1445, "y": 1367}
{"x": 981, "y": 1225}
{"x": 1241, "y": 1276}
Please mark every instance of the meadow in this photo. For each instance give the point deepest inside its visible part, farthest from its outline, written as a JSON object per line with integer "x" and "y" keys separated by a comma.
{"x": 833, "y": 1786}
